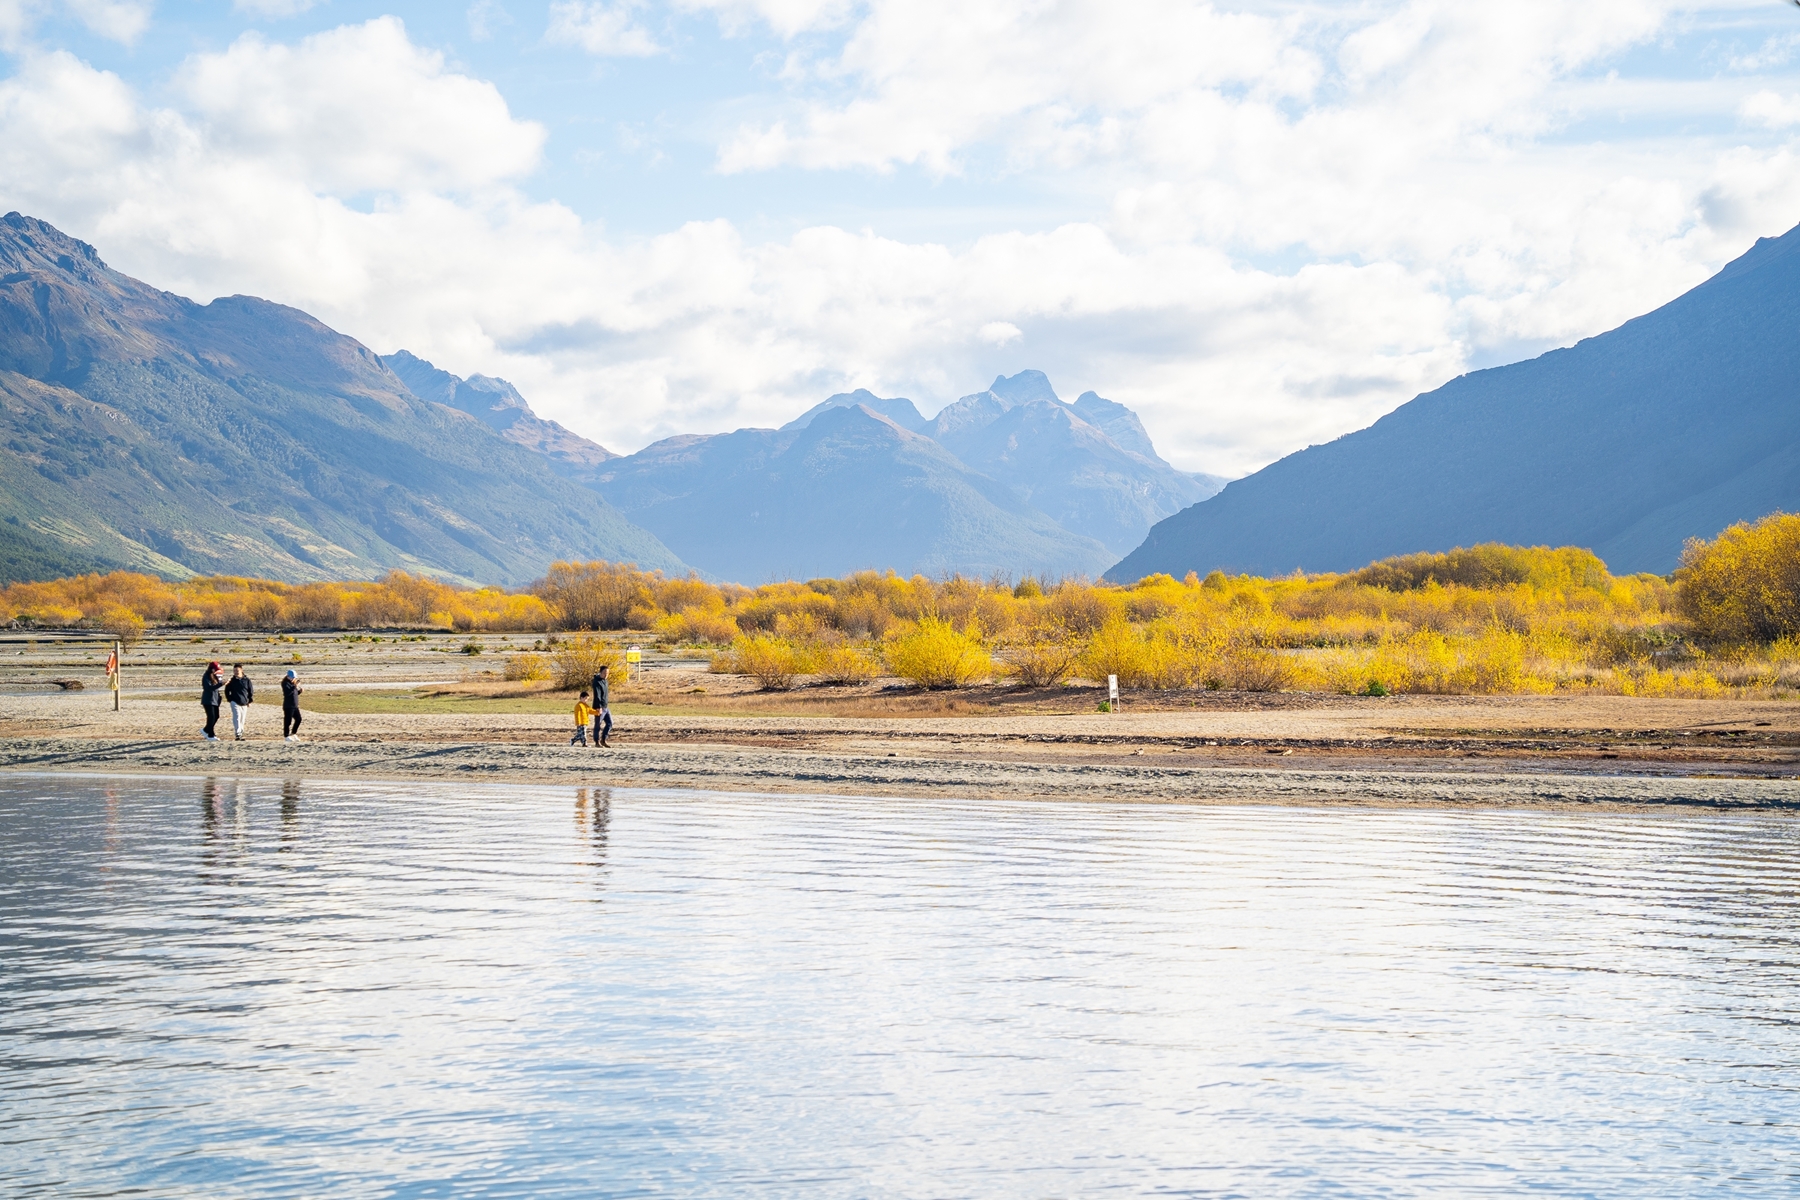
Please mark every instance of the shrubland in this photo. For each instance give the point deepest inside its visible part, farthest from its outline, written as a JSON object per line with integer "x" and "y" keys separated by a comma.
{"x": 1486, "y": 619}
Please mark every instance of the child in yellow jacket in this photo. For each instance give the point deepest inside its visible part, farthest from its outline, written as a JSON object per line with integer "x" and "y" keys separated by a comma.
{"x": 583, "y": 714}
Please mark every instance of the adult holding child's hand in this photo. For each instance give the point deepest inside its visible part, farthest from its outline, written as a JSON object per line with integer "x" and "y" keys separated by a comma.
{"x": 602, "y": 707}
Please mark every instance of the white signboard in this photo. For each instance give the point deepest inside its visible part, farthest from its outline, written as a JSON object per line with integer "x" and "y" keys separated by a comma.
{"x": 1112, "y": 688}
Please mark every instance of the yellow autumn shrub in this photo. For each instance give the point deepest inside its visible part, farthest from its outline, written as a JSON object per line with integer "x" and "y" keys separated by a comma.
{"x": 936, "y": 654}
{"x": 1744, "y": 585}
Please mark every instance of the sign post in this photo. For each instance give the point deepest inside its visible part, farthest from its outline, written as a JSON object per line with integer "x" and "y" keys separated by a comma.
{"x": 112, "y": 674}
{"x": 1112, "y": 693}
{"x": 633, "y": 657}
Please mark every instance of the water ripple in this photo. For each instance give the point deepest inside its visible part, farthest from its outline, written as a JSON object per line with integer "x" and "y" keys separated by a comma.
{"x": 254, "y": 988}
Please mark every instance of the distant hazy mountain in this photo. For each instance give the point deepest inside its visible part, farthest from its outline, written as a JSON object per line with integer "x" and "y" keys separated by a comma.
{"x": 1672, "y": 426}
{"x": 900, "y": 411}
{"x": 1009, "y": 480}
{"x": 141, "y": 429}
{"x": 1065, "y": 460}
{"x": 498, "y": 405}
{"x": 849, "y": 489}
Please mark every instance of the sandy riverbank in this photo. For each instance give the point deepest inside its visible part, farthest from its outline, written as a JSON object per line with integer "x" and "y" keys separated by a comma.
{"x": 1536, "y": 752}
{"x": 745, "y": 769}
{"x": 407, "y": 710}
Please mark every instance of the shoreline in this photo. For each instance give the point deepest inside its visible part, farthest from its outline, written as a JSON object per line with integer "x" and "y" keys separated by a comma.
{"x": 1554, "y": 752}
{"x": 1506, "y": 784}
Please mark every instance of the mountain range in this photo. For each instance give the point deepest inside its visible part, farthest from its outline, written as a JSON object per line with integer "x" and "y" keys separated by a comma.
{"x": 1672, "y": 426}
{"x": 140, "y": 429}
{"x": 143, "y": 430}
{"x": 1011, "y": 480}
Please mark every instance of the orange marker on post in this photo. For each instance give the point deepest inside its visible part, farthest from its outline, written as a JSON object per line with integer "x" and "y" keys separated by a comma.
{"x": 112, "y": 674}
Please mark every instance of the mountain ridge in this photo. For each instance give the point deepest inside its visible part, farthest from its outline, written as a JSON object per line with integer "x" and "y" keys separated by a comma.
{"x": 725, "y": 498}
{"x": 1011, "y": 480}
{"x": 1673, "y": 425}
{"x": 144, "y": 430}
{"x": 498, "y": 405}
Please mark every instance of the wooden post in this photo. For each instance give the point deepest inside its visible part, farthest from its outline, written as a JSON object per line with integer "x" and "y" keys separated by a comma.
{"x": 118, "y": 668}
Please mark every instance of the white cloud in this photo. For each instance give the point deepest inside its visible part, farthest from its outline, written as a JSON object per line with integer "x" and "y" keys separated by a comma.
{"x": 118, "y": 20}
{"x": 273, "y": 9}
{"x": 1771, "y": 109}
{"x": 357, "y": 108}
{"x": 1299, "y": 222}
{"x": 484, "y": 16}
{"x": 787, "y": 18}
{"x": 929, "y": 79}
{"x": 606, "y": 29}
{"x": 1774, "y": 52}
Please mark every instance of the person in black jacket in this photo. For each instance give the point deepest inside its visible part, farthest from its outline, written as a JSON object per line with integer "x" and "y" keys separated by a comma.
{"x": 211, "y": 686}
{"x": 602, "y": 707}
{"x": 290, "y": 706}
{"x": 239, "y": 692}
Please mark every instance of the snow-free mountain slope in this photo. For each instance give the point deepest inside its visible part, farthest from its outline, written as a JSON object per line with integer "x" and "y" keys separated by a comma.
{"x": 850, "y": 490}
{"x": 899, "y": 410}
{"x": 141, "y": 429}
{"x": 1672, "y": 426}
{"x": 1007, "y": 480}
{"x": 1071, "y": 468}
{"x": 498, "y": 405}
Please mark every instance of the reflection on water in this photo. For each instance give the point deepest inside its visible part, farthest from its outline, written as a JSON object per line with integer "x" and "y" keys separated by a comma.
{"x": 331, "y": 989}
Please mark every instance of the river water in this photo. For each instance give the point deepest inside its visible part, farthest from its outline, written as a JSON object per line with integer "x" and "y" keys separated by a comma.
{"x": 257, "y": 988}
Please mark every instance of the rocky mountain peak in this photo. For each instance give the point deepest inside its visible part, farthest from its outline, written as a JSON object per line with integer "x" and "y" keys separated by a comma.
{"x": 497, "y": 404}
{"x": 1023, "y": 388}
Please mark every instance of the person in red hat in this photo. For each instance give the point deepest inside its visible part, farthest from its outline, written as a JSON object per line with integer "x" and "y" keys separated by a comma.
{"x": 212, "y": 688}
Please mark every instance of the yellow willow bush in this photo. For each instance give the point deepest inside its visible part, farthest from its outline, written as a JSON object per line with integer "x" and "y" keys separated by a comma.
{"x": 696, "y": 625}
{"x": 123, "y": 624}
{"x": 1042, "y": 655}
{"x": 774, "y": 662}
{"x": 1479, "y": 619}
{"x": 578, "y": 657}
{"x": 595, "y": 595}
{"x": 935, "y": 654}
{"x": 225, "y": 601}
{"x": 1744, "y": 586}
{"x": 762, "y": 611}
{"x": 529, "y": 666}
{"x": 844, "y": 664}
{"x": 1492, "y": 662}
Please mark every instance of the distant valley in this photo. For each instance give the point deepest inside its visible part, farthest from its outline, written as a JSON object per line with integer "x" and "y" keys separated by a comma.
{"x": 1010, "y": 481}
{"x": 144, "y": 431}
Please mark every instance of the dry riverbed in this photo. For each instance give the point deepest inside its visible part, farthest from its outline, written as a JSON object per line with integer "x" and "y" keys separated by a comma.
{"x": 417, "y": 709}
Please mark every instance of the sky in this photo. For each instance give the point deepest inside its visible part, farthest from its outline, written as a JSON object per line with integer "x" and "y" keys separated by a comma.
{"x": 1261, "y": 224}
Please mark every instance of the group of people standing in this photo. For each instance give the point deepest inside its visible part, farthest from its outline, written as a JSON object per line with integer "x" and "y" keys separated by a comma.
{"x": 240, "y": 693}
